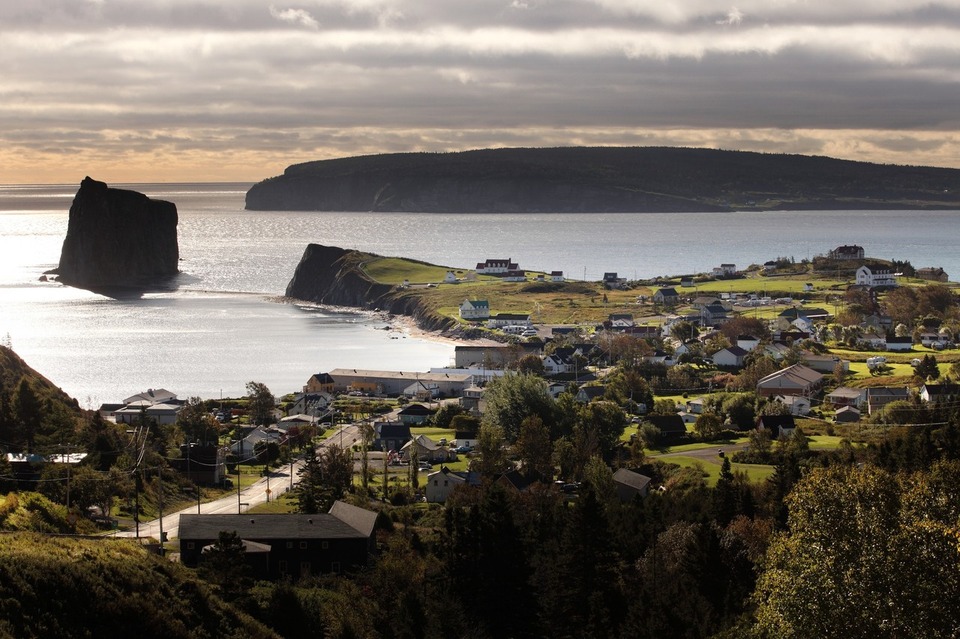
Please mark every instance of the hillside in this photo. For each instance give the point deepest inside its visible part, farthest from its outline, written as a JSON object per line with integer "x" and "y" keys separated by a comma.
{"x": 594, "y": 179}
{"x": 33, "y": 411}
{"x": 13, "y": 369}
{"x": 61, "y": 587}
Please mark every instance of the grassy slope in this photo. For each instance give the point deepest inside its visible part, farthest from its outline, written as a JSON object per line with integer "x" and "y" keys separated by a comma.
{"x": 61, "y": 587}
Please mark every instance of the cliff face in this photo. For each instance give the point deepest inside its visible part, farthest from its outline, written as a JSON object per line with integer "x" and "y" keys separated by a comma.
{"x": 334, "y": 276}
{"x": 118, "y": 239}
{"x": 447, "y": 194}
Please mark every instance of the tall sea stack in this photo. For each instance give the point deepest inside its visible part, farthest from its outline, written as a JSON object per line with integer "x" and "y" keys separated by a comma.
{"x": 118, "y": 239}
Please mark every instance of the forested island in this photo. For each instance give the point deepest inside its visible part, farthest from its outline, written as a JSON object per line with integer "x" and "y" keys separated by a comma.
{"x": 602, "y": 179}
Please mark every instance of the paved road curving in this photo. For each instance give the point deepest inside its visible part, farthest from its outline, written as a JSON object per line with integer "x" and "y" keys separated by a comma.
{"x": 278, "y": 482}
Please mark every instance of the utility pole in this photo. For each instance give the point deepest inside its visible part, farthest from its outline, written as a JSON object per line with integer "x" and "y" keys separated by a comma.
{"x": 160, "y": 485}
{"x": 238, "y": 480}
{"x": 136, "y": 511}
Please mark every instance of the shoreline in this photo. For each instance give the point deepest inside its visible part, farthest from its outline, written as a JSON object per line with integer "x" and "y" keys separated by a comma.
{"x": 400, "y": 323}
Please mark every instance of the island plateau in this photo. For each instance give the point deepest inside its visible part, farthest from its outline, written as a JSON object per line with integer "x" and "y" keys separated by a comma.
{"x": 607, "y": 179}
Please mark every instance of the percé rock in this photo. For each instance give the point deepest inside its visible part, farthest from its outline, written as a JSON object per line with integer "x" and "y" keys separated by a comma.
{"x": 601, "y": 179}
{"x": 118, "y": 239}
{"x": 334, "y": 276}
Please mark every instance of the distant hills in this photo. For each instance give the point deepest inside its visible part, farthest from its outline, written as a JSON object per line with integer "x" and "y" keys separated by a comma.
{"x": 601, "y": 179}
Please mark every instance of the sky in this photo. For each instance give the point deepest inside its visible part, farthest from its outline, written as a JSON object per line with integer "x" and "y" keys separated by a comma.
{"x": 236, "y": 90}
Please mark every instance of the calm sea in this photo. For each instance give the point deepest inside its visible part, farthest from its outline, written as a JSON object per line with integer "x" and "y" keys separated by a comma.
{"x": 222, "y": 327}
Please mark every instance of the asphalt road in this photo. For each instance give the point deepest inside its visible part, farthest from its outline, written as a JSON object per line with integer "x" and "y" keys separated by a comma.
{"x": 277, "y": 482}
{"x": 711, "y": 453}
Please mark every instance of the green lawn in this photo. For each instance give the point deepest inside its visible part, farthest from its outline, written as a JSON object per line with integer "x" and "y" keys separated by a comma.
{"x": 686, "y": 448}
{"x": 394, "y": 270}
{"x": 711, "y": 469}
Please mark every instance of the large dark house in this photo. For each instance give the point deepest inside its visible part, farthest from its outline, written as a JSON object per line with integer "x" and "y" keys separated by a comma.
{"x": 284, "y": 545}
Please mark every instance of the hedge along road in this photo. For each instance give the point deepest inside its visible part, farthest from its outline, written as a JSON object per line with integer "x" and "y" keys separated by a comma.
{"x": 279, "y": 481}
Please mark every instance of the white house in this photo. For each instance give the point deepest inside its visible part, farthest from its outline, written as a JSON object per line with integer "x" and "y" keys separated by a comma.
{"x": 798, "y": 405}
{"x": 804, "y": 324}
{"x": 868, "y": 277}
{"x": 725, "y": 270}
{"x": 556, "y": 276}
{"x": 900, "y": 343}
{"x": 450, "y": 277}
{"x": 475, "y": 310}
{"x": 776, "y": 350}
{"x": 313, "y": 404}
{"x": 515, "y": 275}
{"x": 152, "y": 396}
{"x": 502, "y": 320}
{"x": 245, "y": 447}
{"x": 496, "y": 266}
{"x": 873, "y": 341}
{"x": 748, "y": 342}
{"x": 441, "y": 483}
{"x": 732, "y": 357}
{"x": 695, "y": 406}
{"x": 555, "y": 364}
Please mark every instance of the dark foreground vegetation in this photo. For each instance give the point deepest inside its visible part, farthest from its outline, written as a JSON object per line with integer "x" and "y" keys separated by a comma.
{"x": 859, "y": 540}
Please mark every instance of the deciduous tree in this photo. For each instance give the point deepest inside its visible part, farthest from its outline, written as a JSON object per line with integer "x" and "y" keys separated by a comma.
{"x": 861, "y": 560}
{"x": 512, "y": 398}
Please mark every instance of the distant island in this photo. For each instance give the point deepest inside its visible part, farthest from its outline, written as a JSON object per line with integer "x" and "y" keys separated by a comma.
{"x": 602, "y": 179}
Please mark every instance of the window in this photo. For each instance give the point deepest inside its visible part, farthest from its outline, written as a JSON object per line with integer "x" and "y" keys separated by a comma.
{"x": 190, "y": 545}
{"x": 289, "y": 545}
{"x": 303, "y": 545}
{"x": 335, "y": 567}
{"x": 324, "y": 545}
{"x": 446, "y": 482}
{"x": 282, "y": 566}
{"x": 304, "y": 568}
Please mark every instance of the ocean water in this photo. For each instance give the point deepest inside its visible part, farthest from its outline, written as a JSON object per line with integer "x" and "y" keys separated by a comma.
{"x": 223, "y": 325}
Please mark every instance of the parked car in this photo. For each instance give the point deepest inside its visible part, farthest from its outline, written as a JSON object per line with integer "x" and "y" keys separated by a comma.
{"x": 425, "y": 465}
{"x": 463, "y": 449}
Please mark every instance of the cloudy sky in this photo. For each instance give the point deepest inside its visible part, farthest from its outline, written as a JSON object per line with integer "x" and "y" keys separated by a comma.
{"x": 201, "y": 90}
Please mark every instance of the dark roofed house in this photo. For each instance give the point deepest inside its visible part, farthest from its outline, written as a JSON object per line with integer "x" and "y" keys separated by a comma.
{"x": 847, "y": 252}
{"x": 319, "y": 383}
{"x": 777, "y": 425}
{"x": 666, "y": 296}
{"x": 287, "y": 545}
{"x": 415, "y": 414}
{"x": 630, "y": 484}
{"x": 587, "y": 394}
{"x": 846, "y": 415}
{"x": 880, "y": 396}
{"x": 670, "y": 426}
{"x": 390, "y": 435}
{"x": 937, "y": 393}
{"x": 514, "y": 480}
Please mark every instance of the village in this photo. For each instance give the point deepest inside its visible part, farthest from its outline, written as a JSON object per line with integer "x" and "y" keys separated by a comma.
{"x": 713, "y": 393}
{"x": 691, "y": 342}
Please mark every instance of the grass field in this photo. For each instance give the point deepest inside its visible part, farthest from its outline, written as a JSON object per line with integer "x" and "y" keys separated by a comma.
{"x": 394, "y": 270}
{"x": 711, "y": 469}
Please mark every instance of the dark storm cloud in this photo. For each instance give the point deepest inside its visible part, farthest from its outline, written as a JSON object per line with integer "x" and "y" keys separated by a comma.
{"x": 336, "y": 76}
